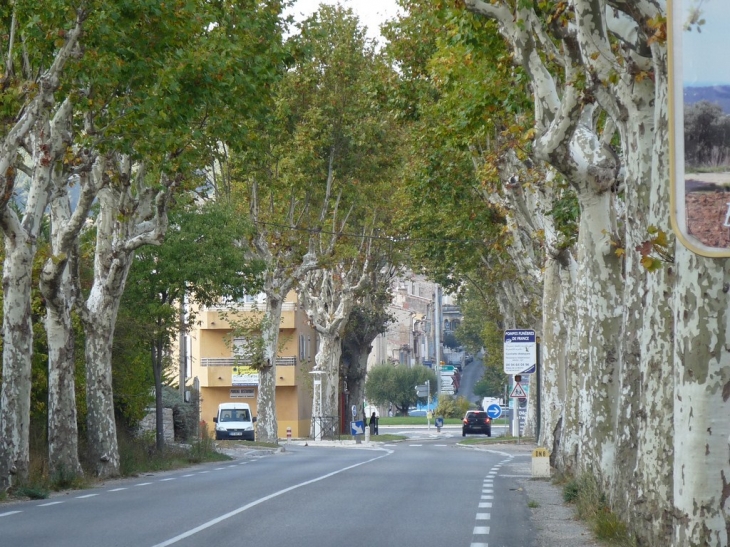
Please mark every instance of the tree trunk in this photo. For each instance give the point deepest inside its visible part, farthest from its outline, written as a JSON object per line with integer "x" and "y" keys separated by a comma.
{"x": 63, "y": 447}
{"x": 328, "y": 360}
{"x": 157, "y": 365}
{"x": 701, "y": 401}
{"x": 17, "y": 351}
{"x": 266, "y": 424}
{"x": 100, "y": 423}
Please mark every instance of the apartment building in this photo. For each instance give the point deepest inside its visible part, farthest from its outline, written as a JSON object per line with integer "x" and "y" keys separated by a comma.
{"x": 216, "y": 357}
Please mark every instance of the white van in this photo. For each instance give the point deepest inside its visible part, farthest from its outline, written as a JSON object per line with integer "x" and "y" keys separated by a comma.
{"x": 234, "y": 421}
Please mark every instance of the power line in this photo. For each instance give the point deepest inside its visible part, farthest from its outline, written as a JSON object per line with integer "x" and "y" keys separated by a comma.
{"x": 393, "y": 239}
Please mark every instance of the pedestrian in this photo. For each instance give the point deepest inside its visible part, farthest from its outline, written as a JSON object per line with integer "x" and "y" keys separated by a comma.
{"x": 373, "y": 424}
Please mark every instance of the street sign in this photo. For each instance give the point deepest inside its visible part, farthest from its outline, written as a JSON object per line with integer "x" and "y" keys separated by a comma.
{"x": 422, "y": 390}
{"x": 518, "y": 392}
{"x": 357, "y": 428}
{"x": 354, "y": 411}
{"x": 494, "y": 411}
{"x": 447, "y": 368}
{"x": 520, "y": 351}
{"x": 439, "y": 422}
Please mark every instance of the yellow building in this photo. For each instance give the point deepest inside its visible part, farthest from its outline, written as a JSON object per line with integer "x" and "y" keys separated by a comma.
{"x": 224, "y": 379}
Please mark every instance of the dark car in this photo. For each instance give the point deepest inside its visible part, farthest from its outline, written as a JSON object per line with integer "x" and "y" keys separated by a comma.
{"x": 476, "y": 421}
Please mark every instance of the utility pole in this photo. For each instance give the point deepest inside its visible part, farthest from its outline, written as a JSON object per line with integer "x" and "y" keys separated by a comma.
{"x": 437, "y": 330}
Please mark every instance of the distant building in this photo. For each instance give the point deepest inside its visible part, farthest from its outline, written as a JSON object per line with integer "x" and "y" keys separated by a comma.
{"x": 410, "y": 340}
{"x": 212, "y": 358}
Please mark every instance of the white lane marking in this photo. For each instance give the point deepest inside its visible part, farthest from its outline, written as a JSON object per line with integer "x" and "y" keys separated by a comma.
{"x": 219, "y": 469}
{"x": 479, "y": 545}
{"x": 259, "y": 501}
{"x": 243, "y": 463}
{"x": 50, "y": 503}
{"x": 517, "y": 476}
{"x": 168, "y": 479}
{"x": 481, "y": 530}
{"x": 488, "y": 483}
{"x": 86, "y": 496}
{"x": 231, "y": 466}
{"x": 188, "y": 475}
{"x": 484, "y": 516}
{"x": 415, "y": 445}
{"x": 117, "y": 489}
{"x": 9, "y": 513}
{"x": 143, "y": 484}
{"x": 203, "y": 472}
{"x": 487, "y": 491}
{"x": 487, "y": 497}
{"x": 441, "y": 445}
{"x": 485, "y": 505}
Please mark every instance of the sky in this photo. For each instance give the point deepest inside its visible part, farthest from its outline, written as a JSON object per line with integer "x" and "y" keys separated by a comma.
{"x": 705, "y": 54}
{"x": 372, "y": 13}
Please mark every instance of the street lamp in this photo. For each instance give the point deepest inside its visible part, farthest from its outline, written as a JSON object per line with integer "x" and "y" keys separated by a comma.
{"x": 318, "y": 393}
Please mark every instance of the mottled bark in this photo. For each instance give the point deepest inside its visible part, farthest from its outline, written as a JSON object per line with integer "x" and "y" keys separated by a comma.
{"x": 131, "y": 214}
{"x": 266, "y": 424}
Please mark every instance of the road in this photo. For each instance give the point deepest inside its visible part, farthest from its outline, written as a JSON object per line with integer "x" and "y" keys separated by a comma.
{"x": 470, "y": 375}
{"x": 424, "y": 491}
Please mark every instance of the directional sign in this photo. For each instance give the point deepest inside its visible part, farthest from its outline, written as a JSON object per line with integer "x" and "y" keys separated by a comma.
{"x": 439, "y": 422}
{"x": 357, "y": 428}
{"x": 520, "y": 351}
{"x": 494, "y": 411}
{"x": 422, "y": 390}
{"x": 518, "y": 392}
{"x": 447, "y": 368}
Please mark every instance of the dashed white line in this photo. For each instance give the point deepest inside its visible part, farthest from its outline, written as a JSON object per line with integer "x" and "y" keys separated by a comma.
{"x": 116, "y": 489}
{"x": 415, "y": 445}
{"x": 168, "y": 479}
{"x": 219, "y": 469}
{"x": 484, "y": 516}
{"x": 188, "y": 475}
{"x": 481, "y": 530}
{"x": 487, "y": 491}
{"x": 485, "y": 505}
{"x": 9, "y": 513}
{"x": 143, "y": 484}
{"x": 479, "y": 545}
{"x": 86, "y": 496}
{"x": 441, "y": 445}
{"x": 203, "y": 472}
{"x": 487, "y": 497}
{"x": 50, "y": 503}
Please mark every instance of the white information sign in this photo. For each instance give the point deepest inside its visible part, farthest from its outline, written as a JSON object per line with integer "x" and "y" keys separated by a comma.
{"x": 520, "y": 351}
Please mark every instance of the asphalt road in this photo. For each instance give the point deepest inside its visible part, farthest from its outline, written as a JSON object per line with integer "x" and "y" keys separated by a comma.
{"x": 423, "y": 492}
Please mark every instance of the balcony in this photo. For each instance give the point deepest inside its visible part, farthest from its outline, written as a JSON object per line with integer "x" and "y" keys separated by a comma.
{"x": 218, "y": 372}
{"x": 210, "y": 318}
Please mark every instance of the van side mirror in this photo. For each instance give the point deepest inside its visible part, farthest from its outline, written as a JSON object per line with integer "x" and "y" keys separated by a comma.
{"x": 215, "y": 420}
{"x": 254, "y": 418}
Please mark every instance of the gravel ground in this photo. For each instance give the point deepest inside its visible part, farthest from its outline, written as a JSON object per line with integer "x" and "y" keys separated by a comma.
{"x": 554, "y": 520}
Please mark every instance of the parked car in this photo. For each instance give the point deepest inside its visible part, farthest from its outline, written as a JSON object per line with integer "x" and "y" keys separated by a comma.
{"x": 476, "y": 421}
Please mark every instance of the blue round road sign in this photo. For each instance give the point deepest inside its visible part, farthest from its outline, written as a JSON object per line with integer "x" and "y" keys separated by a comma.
{"x": 494, "y": 411}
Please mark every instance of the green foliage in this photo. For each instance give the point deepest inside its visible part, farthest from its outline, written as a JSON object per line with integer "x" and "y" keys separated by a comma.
{"x": 566, "y": 215}
{"x": 492, "y": 383}
{"x": 452, "y": 407}
{"x": 388, "y": 384}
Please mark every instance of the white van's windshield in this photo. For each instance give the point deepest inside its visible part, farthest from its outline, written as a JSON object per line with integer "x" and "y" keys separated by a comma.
{"x": 234, "y": 415}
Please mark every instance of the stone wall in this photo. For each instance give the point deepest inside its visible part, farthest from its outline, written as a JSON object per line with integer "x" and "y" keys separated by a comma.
{"x": 148, "y": 423}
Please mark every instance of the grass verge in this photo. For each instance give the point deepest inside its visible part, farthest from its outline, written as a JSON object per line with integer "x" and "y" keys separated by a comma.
{"x": 591, "y": 506}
